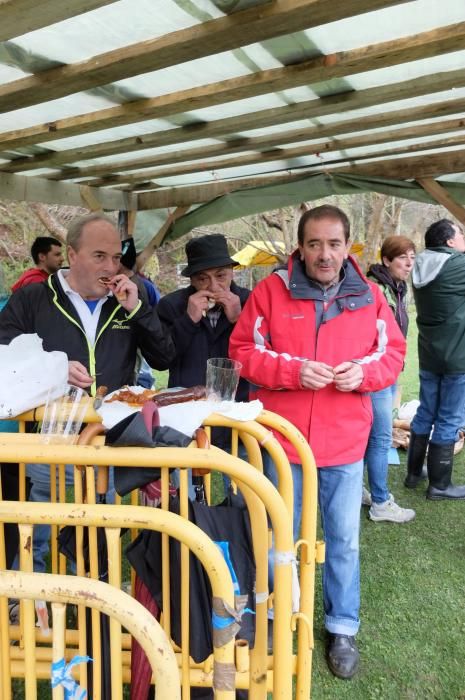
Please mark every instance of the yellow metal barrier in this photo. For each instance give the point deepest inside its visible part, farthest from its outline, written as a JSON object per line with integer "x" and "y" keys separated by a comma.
{"x": 29, "y": 449}
{"x": 60, "y": 590}
{"x": 256, "y": 436}
{"x": 307, "y": 544}
{"x": 113, "y": 518}
{"x": 311, "y": 551}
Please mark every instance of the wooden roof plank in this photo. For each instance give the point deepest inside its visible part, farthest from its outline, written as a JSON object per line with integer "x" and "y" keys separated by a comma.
{"x": 186, "y": 159}
{"x": 314, "y": 70}
{"x": 413, "y": 167}
{"x": 18, "y": 17}
{"x": 390, "y": 118}
{"x": 286, "y": 154}
{"x": 198, "y": 194}
{"x": 226, "y": 33}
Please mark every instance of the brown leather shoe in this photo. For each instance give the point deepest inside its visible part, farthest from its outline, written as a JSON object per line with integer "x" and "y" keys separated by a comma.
{"x": 342, "y": 655}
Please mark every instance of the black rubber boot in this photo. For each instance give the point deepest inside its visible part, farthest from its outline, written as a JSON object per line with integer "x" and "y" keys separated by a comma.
{"x": 415, "y": 460}
{"x": 440, "y": 462}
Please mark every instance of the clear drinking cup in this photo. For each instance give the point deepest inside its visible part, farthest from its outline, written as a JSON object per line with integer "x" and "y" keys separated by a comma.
{"x": 222, "y": 378}
{"x": 63, "y": 415}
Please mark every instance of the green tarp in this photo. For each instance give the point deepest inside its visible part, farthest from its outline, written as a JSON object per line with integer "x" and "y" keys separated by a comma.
{"x": 305, "y": 189}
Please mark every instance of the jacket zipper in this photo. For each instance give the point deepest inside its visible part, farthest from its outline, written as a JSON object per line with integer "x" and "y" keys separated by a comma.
{"x": 90, "y": 347}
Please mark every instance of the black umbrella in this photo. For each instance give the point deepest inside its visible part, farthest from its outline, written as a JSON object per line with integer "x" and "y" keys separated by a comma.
{"x": 10, "y": 492}
{"x": 228, "y": 525}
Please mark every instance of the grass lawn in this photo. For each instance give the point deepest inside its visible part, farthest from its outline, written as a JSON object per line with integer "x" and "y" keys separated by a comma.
{"x": 412, "y": 636}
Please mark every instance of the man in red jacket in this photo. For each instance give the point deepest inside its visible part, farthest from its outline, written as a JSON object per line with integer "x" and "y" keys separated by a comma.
{"x": 47, "y": 255}
{"x": 315, "y": 338}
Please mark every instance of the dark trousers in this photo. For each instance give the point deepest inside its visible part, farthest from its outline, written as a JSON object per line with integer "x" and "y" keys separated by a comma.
{"x": 10, "y": 492}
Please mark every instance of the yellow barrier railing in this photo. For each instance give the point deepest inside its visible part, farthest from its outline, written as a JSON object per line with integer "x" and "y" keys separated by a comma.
{"x": 256, "y": 436}
{"x": 113, "y": 519}
{"x": 61, "y": 590}
{"x": 310, "y": 550}
{"x": 28, "y": 449}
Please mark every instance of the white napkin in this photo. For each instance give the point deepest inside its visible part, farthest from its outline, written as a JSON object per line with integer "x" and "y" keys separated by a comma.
{"x": 185, "y": 417}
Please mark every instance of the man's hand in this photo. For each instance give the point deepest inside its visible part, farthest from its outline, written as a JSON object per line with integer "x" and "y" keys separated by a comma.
{"x": 197, "y": 304}
{"x": 125, "y": 291}
{"x": 231, "y": 304}
{"x": 315, "y": 375}
{"x": 348, "y": 376}
{"x": 78, "y": 375}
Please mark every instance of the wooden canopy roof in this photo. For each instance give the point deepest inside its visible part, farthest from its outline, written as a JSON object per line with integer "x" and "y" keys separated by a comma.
{"x": 166, "y": 104}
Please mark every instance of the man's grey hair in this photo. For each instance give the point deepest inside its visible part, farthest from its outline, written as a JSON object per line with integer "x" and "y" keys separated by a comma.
{"x": 77, "y": 225}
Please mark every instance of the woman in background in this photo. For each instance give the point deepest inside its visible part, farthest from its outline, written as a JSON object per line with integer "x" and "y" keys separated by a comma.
{"x": 391, "y": 275}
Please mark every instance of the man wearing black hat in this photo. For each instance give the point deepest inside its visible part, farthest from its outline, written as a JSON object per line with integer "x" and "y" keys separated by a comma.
{"x": 202, "y": 316}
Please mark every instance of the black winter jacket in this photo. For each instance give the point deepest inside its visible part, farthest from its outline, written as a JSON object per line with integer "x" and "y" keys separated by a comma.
{"x": 395, "y": 293}
{"x": 46, "y": 310}
{"x": 197, "y": 342}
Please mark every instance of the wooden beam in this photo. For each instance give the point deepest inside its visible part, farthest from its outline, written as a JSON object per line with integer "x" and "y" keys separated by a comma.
{"x": 263, "y": 144}
{"x": 411, "y": 168}
{"x": 315, "y": 70}
{"x": 89, "y": 199}
{"x": 132, "y": 214}
{"x": 399, "y": 168}
{"x": 226, "y": 33}
{"x": 198, "y": 194}
{"x": 340, "y": 103}
{"x": 37, "y": 189}
{"x": 442, "y": 196}
{"x": 438, "y": 109}
{"x": 157, "y": 240}
{"x": 18, "y": 17}
{"x": 305, "y": 150}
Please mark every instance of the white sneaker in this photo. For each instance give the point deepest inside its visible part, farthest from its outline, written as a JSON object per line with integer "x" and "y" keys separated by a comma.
{"x": 391, "y": 512}
{"x": 366, "y": 497}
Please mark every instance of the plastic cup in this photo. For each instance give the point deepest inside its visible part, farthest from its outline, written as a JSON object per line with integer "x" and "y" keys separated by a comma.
{"x": 63, "y": 415}
{"x": 222, "y": 378}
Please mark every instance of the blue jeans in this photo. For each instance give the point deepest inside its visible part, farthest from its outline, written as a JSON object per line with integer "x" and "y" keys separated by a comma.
{"x": 269, "y": 469}
{"x": 145, "y": 377}
{"x": 339, "y": 496}
{"x": 442, "y": 405}
{"x": 379, "y": 442}
{"x": 40, "y": 493}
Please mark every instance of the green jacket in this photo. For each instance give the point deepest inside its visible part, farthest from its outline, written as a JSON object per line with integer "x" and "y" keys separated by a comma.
{"x": 439, "y": 290}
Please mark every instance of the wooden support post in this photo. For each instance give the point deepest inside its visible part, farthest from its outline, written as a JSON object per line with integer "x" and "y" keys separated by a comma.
{"x": 159, "y": 236}
{"x": 442, "y": 196}
{"x": 89, "y": 199}
{"x": 131, "y": 221}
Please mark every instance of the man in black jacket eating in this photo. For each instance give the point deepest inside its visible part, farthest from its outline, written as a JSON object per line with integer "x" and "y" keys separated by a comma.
{"x": 95, "y": 316}
{"x": 90, "y": 312}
